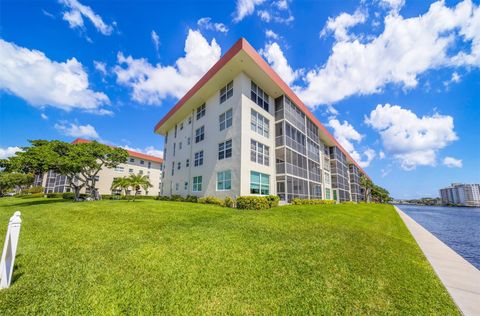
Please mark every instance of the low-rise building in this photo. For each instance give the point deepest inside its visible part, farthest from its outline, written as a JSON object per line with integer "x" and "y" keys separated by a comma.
{"x": 241, "y": 130}
{"x": 137, "y": 163}
{"x": 461, "y": 194}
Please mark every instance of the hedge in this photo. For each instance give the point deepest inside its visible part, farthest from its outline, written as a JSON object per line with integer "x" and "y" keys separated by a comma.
{"x": 31, "y": 196}
{"x": 54, "y": 195}
{"x": 297, "y": 201}
{"x": 257, "y": 202}
{"x": 210, "y": 200}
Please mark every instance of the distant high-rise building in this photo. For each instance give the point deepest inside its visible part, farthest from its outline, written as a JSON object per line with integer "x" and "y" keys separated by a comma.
{"x": 461, "y": 194}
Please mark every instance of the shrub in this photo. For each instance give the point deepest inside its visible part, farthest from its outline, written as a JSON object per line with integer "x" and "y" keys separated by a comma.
{"x": 229, "y": 202}
{"x": 33, "y": 190}
{"x": 54, "y": 195}
{"x": 68, "y": 196}
{"x": 191, "y": 198}
{"x": 253, "y": 203}
{"x": 31, "y": 196}
{"x": 210, "y": 200}
{"x": 177, "y": 198}
{"x": 297, "y": 201}
{"x": 145, "y": 197}
{"x": 348, "y": 202}
{"x": 162, "y": 198}
{"x": 273, "y": 200}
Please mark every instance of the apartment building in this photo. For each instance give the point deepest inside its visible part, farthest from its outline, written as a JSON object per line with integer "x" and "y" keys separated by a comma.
{"x": 242, "y": 131}
{"x": 137, "y": 163}
{"x": 461, "y": 194}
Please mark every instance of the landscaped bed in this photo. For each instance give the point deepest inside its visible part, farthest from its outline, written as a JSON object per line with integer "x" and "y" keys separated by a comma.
{"x": 157, "y": 257}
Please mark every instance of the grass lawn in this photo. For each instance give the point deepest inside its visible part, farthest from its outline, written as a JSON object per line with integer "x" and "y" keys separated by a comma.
{"x": 155, "y": 257}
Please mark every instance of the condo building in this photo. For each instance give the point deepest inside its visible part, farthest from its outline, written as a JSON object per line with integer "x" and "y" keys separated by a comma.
{"x": 461, "y": 194}
{"x": 241, "y": 130}
{"x": 137, "y": 163}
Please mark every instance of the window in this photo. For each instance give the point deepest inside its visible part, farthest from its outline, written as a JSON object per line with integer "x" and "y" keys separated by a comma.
{"x": 259, "y": 96}
{"x": 259, "y": 153}
{"x": 187, "y": 164}
{"x": 200, "y": 134}
{"x": 119, "y": 169}
{"x": 260, "y": 124}
{"x": 226, "y": 92}
{"x": 174, "y": 147}
{"x": 259, "y": 183}
{"x": 166, "y": 138}
{"x": 188, "y": 141}
{"x": 132, "y": 160}
{"x": 198, "y": 159}
{"x": 225, "y": 120}
{"x": 142, "y": 162}
{"x": 197, "y": 184}
{"x": 224, "y": 180}
{"x": 180, "y": 145}
{"x": 200, "y": 111}
{"x": 189, "y": 120}
{"x": 175, "y": 131}
{"x": 149, "y": 165}
{"x": 181, "y": 126}
{"x": 176, "y": 186}
{"x": 225, "y": 150}
{"x": 179, "y": 165}
{"x": 186, "y": 186}
{"x": 173, "y": 168}
{"x": 130, "y": 170}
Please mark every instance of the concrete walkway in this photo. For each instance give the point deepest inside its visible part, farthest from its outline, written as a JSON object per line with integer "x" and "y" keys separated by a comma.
{"x": 461, "y": 278}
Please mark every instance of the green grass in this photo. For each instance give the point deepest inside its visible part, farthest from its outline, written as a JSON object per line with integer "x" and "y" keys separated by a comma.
{"x": 154, "y": 257}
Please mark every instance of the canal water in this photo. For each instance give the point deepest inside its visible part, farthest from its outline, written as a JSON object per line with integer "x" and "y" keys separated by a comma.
{"x": 458, "y": 227}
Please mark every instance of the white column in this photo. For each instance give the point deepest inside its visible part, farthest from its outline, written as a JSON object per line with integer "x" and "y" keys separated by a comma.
{"x": 10, "y": 250}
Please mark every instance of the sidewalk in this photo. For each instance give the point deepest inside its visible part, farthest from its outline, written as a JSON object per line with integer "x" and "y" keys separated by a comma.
{"x": 461, "y": 278}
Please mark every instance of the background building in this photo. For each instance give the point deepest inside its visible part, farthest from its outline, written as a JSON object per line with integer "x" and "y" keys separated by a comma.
{"x": 242, "y": 131}
{"x": 461, "y": 194}
{"x": 137, "y": 163}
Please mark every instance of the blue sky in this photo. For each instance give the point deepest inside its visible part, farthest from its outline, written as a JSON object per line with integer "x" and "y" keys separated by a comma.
{"x": 397, "y": 82}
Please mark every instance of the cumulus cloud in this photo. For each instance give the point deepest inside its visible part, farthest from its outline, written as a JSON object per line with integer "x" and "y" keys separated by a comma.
{"x": 101, "y": 67}
{"x": 9, "y": 151}
{"x": 149, "y": 150}
{"x": 277, "y": 60}
{"x": 412, "y": 140}
{"x": 75, "y": 130}
{"x": 393, "y": 5}
{"x": 271, "y": 34}
{"x": 32, "y": 76}
{"x": 77, "y": 11}
{"x": 207, "y": 24}
{"x": 407, "y": 47}
{"x": 339, "y": 25}
{"x": 452, "y": 162}
{"x": 245, "y": 8}
{"x": 346, "y": 135}
{"x": 151, "y": 84}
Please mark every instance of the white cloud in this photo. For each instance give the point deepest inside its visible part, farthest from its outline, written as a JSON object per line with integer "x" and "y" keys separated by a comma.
{"x": 412, "y": 140}
{"x": 271, "y": 34}
{"x": 264, "y": 15}
{"x": 100, "y": 67}
{"x": 245, "y": 8}
{"x": 346, "y": 134}
{"x": 149, "y": 150}
{"x": 74, "y": 130}
{"x": 32, "y": 76}
{"x": 44, "y": 116}
{"x": 9, "y": 152}
{"x": 155, "y": 40}
{"x": 340, "y": 25}
{"x": 277, "y": 60}
{"x": 394, "y": 5}
{"x": 456, "y": 78}
{"x": 381, "y": 155}
{"x": 207, "y": 24}
{"x": 281, "y": 4}
{"x": 407, "y": 47}
{"x": 452, "y": 162}
{"x": 152, "y": 84}
{"x": 77, "y": 11}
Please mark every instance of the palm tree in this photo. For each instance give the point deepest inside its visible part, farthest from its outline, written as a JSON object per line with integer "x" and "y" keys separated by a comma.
{"x": 137, "y": 182}
{"x": 120, "y": 183}
{"x": 367, "y": 185}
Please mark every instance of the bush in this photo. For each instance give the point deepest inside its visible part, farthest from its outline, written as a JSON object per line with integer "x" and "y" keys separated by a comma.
{"x": 176, "y": 198}
{"x": 191, "y": 198}
{"x": 162, "y": 198}
{"x": 273, "y": 200}
{"x": 297, "y": 201}
{"x": 54, "y": 195}
{"x": 253, "y": 203}
{"x": 144, "y": 197}
{"x": 210, "y": 200}
{"x": 68, "y": 196}
{"x": 33, "y": 190}
{"x": 348, "y": 202}
{"x": 229, "y": 202}
{"x": 31, "y": 196}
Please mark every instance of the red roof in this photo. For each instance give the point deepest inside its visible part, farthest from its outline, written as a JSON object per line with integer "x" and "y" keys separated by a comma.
{"x": 242, "y": 44}
{"x": 130, "y": 152}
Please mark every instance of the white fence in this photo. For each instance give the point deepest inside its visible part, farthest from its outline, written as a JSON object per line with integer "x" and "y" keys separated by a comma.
{"x": 10, "y": 250}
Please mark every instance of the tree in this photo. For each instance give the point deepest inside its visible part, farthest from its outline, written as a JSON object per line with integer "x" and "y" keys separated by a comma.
{"x": 367, "y": 185}
{"x": 380, "y": 195}
{"x": 10, "y": 180}
{"x": 137, "y": 182}
{"x": 120, "y": 183}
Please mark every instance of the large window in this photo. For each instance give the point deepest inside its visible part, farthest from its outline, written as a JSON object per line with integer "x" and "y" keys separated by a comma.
{"x": 224, "y": 180}
{"x": 198, "y": 159}
{"x": 259, "y": 124}
{"x": 226, "y": 92}
{"x": 259, "y": 153}
{"x": 259, "y": 183}
{"x": 197, "y": 184}
{"x": 225, "y": 120}
{"x": 201, "y": 111}
{"x": 259, "y": 96}
{"x": 225, "y": 149}
{"x": 199, "y": 134}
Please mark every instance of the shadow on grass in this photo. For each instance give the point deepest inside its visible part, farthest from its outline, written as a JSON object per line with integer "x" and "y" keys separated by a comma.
{"x": 37, "y": 202}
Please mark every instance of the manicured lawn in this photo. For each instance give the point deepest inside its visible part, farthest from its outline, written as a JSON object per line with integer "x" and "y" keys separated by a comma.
{"x": 153, "y": 257}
